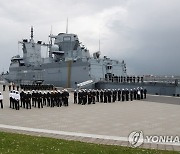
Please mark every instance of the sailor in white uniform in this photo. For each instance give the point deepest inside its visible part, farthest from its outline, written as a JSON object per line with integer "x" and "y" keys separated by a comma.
{"x": 1, "y": 100}
{"x": 10, "y": 99}
{"x": 17, "y": 99}
{"x": 13, "y": 103}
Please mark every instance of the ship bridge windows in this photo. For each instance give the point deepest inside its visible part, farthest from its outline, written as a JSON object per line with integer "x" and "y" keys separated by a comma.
{"x": 109, "y": 67}
{"x": 21, "y": 63}
{"x": 67, "y": 38}
{"x": 25, "y": 40}
{"x": 14, "y": 61}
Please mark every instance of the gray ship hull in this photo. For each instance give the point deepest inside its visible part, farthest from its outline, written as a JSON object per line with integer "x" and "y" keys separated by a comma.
{"x": 65, "y": 74}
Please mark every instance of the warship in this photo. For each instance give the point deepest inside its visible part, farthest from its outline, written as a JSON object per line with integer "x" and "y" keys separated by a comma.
{"x": 68, "y": 64}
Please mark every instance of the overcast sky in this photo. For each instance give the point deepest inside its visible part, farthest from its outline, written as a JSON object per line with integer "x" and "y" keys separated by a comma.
{"x": 144, "y": 33}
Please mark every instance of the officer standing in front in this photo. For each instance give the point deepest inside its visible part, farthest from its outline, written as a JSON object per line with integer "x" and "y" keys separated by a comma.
{"x": 1, "y": 100}
{"x": 145, "y": 92}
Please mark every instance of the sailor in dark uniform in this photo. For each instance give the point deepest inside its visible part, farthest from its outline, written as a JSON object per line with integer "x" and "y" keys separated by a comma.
{"x": 33, "y": 97}
{"x": 28, "y": 100}
{"x": 89, "y": 95}
{"x": 138, "y": 94}
{"x": 114, "y": 94}
{"x": 79, "y": 97}
{"x": 105, "y": 95}
{"x": 133, "y": 79}
{"x": 44, "y": 97}
{"x": 17, "y": 87}
{"x": 142, "y": 92}
{"x": 66, "y": 97}
{"x": 85, "y": 96}
{"x": 119, "y": 95}
{"x": 130, "y": 79}
{"x": 121, "y": 79}
{"x": 135, "y": 93}
{"x": 131, "y": 95}
{"x": 138, "y": 79}
{"x": 4, "y": 87}
{"x": 1, "y": 100}
{"x": 127, "y": 94}
{"x": 93, "y": 96}
{"x": 63, "y": 97}
{"x": 22, "y": 98}
{"x": 40, "y": 104}
{"x": 123, "y": 93}
{"x": 97, "y": 95}
{"x": 36, "y": 98}
{"x": 58, "y": 96}
{"x": 127, "y": 79}
{"x": 101, "y": 95}
{"x": 75, "y": 97}
{"x": 55, "y": 98}
{"x": 48, "y": 97}
{"x": 145, "y": 92}
{"x": 59, "y": 99}
{"x": 109, "y": 95}
{"x": 9, "y": 87}
{"x": 13, "y": 86}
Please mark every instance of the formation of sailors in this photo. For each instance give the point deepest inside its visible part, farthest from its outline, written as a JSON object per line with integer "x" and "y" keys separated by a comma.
{"x": 28, "y": 87}
{"x": 91, "y": 96}
{"x": 37, "y": 87}
{"x": 11, "y": 87}
{"x": 27, "y": 99}
{"x": 35, "y": 98}
{"x": 124, "y": 79}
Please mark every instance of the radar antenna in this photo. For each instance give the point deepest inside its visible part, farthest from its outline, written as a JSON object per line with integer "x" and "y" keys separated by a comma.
{"x": 50, "y": 43}
{"x": 99, "y": 45}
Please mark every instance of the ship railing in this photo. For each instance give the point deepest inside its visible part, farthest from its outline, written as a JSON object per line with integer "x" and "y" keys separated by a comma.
{"x": 137, "y": 79}
{"x": 85, "y": 83}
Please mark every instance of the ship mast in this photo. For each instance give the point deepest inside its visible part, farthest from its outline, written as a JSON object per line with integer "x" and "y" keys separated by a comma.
{"x": 32, "y": 34}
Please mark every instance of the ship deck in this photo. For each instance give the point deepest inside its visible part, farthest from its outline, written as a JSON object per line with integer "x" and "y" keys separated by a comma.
{"x": 101, "y": 123}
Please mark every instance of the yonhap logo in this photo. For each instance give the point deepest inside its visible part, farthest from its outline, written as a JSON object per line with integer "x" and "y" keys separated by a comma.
{"x": 136, "y": 138}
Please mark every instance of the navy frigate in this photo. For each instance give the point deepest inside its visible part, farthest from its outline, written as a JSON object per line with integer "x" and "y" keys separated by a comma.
{"x": 68, "y": 64}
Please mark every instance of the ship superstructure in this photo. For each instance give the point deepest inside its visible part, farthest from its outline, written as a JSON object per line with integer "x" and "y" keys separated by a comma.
{"x": 67, "y": 64}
